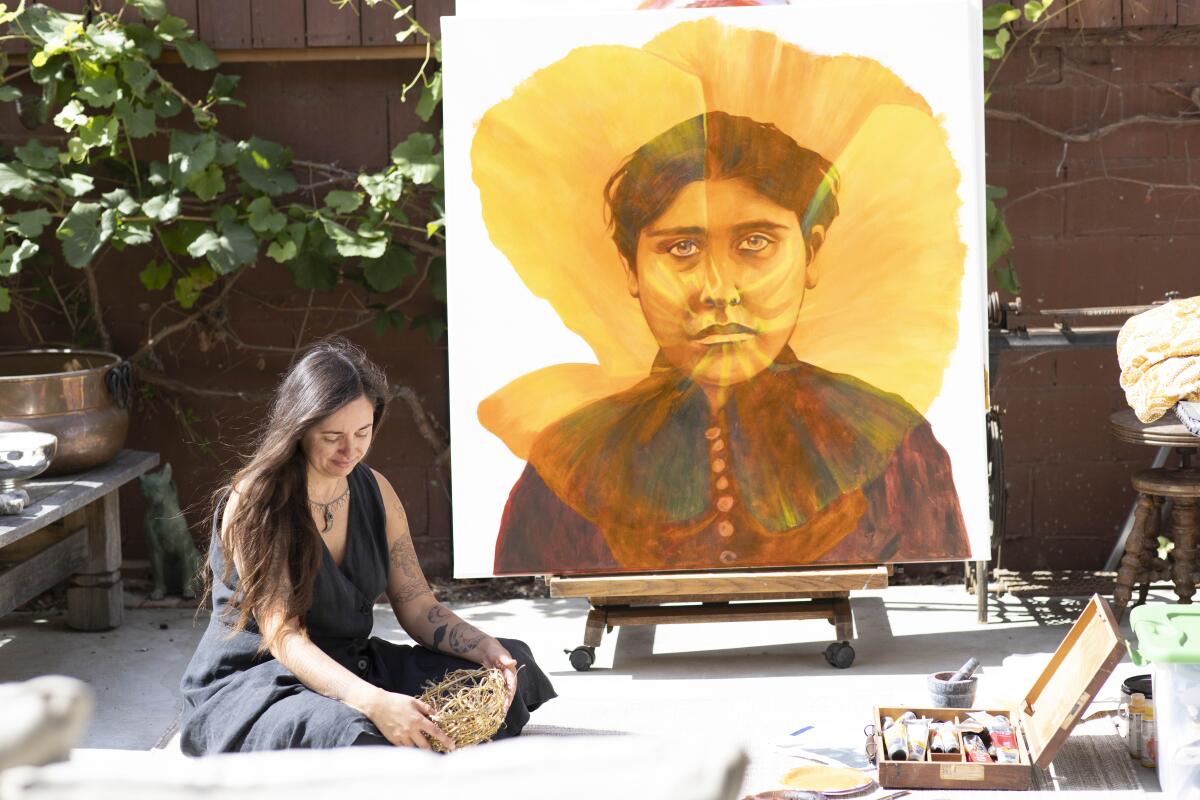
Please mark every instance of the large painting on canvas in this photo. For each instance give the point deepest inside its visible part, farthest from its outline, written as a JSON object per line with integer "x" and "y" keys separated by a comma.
{"x": 715, "y": 294}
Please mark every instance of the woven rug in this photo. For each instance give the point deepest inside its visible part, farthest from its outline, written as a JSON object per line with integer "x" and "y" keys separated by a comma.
{"x": 1093, "y": 759}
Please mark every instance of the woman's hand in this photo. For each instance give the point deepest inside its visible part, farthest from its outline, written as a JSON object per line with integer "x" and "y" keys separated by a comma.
{"x": 403, "y": 720}
{"x": 493, "y": 656}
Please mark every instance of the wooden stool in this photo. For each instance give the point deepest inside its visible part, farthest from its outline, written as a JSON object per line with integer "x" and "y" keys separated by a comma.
{"x": 1141, "y": 563}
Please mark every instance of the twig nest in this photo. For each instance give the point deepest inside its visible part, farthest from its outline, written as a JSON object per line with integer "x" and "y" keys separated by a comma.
{"x": 468, "y": 704}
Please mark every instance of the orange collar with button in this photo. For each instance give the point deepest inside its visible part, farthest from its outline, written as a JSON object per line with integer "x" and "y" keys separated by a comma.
{"x": 671, "y": 483}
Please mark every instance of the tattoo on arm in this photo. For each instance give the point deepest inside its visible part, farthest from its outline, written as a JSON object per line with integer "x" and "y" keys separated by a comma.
{"x": 401, "y": 556}
{"x": 464, "y": 638}
{"x": 438, "y": 613}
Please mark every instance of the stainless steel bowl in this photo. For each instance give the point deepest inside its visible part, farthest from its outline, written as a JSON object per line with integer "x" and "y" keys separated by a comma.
{"x": 24, "y": 455}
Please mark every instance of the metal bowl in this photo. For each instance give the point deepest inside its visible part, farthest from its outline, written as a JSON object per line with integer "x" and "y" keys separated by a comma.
{"x": 24, "y": 455}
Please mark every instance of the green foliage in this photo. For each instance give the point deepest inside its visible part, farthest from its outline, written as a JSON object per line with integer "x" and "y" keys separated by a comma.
{"x": 211, "y": 205}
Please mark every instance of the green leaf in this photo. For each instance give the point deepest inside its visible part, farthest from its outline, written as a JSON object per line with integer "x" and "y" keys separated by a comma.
{"x": 138, "y": 120}
{"x": 311, "y": 272}
{"x": 343, "y": 202}
{"x": 434, "y": 327}
{"x": 282, "y": 251}
{"x": 144, "y": 40}
{"x": 121, "y": 200}
{"x": 265, "y": 166}
{"x": 234, "y": 246}
{"x": 387, "y": 320}
{"x": 33, "y": 154}
{"x": 5, "y": 300}
{"x": 222, "y": 88}
{"x": 209, "y": 183}
{"x": 152, "y": 10}
{"x": 100, "y": 90}
{"x": 9, "y": 93}
{"x": 196, "y": 54}
{"x": 264, "y": 218}
{"x": 170, "y": 28}
{"x": 166, "y": 104}
{"x": 12, "y": 256}
{"x": 364, "y": 243}
{"x": 98, "y": 132}
{"x": 1006, "y": 279}
{"x": 186, "y": 292}
{"x": 15, "y": 182}
{"x": 383, "y": 188}
{"x": 30, "y": 224}
{"x": 387, "y": 272}
{"x": 993, "y": 46}
{"x": 1034, "y": 9}
{"x": 190, "y": 155}
{"x": 999, "y": 240}
{"x": 415, "y": 158}
{"x": 431, "y": 95}
{"x": 84, "y": 231}
{"x": 995, "y": 192}
{"x": 156, "y": 275}
{"x": 138, "y": 74}
{"x": 999, "y": 14}
{"x": 179, "y": 236}
{"x": 433, "y": 226}
{"x": 70, "y": 116}
{"x": 163, "y": 207}
{"x": 76, "y": 184}
{"x": 132, "y": 233}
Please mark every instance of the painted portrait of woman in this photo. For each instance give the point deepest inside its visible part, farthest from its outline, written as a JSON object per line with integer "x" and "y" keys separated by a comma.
{"x": 735, "y": 417}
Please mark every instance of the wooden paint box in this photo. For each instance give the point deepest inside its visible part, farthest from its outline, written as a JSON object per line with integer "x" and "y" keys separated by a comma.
{"x": 1042, "y": 720}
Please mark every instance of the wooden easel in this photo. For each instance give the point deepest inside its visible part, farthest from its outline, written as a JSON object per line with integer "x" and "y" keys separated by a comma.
{"x": 665, "y": 598}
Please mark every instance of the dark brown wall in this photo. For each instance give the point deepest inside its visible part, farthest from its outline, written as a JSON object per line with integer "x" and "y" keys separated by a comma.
{"x": 1097, "y": 243}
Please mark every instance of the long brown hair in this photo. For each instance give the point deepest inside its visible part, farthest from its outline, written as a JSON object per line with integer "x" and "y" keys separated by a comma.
{"x": 271, "y": 530}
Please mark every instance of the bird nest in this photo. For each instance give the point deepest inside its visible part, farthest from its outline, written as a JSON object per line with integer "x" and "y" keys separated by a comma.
{"x": 468, "y": 704}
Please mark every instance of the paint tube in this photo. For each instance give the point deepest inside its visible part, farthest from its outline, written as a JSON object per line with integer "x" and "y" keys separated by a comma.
{"x": 976, "y": 751}
{"x": 944, "y": 740}
{"x": 917, "y": 731}
{"x": 1004, "y": 741}
{"x": 894, "y": 741}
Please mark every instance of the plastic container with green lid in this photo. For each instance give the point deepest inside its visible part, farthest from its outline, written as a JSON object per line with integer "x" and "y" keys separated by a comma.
{"x": 1168, "y": 636}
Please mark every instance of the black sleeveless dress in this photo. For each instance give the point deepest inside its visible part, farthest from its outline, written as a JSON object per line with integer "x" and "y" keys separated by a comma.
{"x": 237, "y": 700}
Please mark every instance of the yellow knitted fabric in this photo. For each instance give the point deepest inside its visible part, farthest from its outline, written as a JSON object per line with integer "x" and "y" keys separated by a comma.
{"x": 1159, "y": 354}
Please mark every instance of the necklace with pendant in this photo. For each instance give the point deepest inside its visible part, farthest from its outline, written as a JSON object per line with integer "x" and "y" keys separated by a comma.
{"x": 327, "y": 508}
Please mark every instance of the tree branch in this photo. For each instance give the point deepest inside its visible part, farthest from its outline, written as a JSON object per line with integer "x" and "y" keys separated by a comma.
{"x": 1094, "y": 133}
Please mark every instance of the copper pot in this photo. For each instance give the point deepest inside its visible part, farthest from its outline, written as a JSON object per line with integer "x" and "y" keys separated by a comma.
{"x": 81, "y": 396}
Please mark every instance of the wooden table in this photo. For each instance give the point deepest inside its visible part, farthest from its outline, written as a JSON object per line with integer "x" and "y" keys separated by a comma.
{"x": 71, "y": 529}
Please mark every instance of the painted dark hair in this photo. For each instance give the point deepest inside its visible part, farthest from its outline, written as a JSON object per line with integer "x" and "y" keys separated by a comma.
{"x": 717, "y": 146}
{"x": 272, "y": 531}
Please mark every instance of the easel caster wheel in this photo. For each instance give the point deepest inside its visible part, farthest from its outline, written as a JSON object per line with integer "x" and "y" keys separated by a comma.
{"x": 840, "y": 655}
{"x": 582, "y": 657}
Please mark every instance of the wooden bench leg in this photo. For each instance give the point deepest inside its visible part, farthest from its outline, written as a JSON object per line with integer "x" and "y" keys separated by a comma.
{"x": 1183, "y": 531}
{"x": 843, "y": 618}
{"x": 95, "y": 596}
{"x": 1131, "y": 562}
{"x": 593, "y": 631}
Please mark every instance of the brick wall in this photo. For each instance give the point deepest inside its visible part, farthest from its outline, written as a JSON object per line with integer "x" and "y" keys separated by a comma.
{"x": 1088, "y": 240}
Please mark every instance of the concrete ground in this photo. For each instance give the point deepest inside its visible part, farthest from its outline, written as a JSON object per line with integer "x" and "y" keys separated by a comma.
{"x": 757, "y": 681}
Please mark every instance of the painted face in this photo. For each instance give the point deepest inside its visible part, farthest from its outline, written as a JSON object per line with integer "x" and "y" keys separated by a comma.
{"x": 335, "y": 444}
{"x": 721, "y": 276}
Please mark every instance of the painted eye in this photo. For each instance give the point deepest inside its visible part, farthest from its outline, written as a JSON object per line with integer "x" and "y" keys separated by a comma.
{"x": 754, "y": 243}
{"x": 685, "y": 249}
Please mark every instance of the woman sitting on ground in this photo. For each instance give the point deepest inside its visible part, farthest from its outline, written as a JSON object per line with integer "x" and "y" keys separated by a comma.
{"x": 302, "y": 544}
